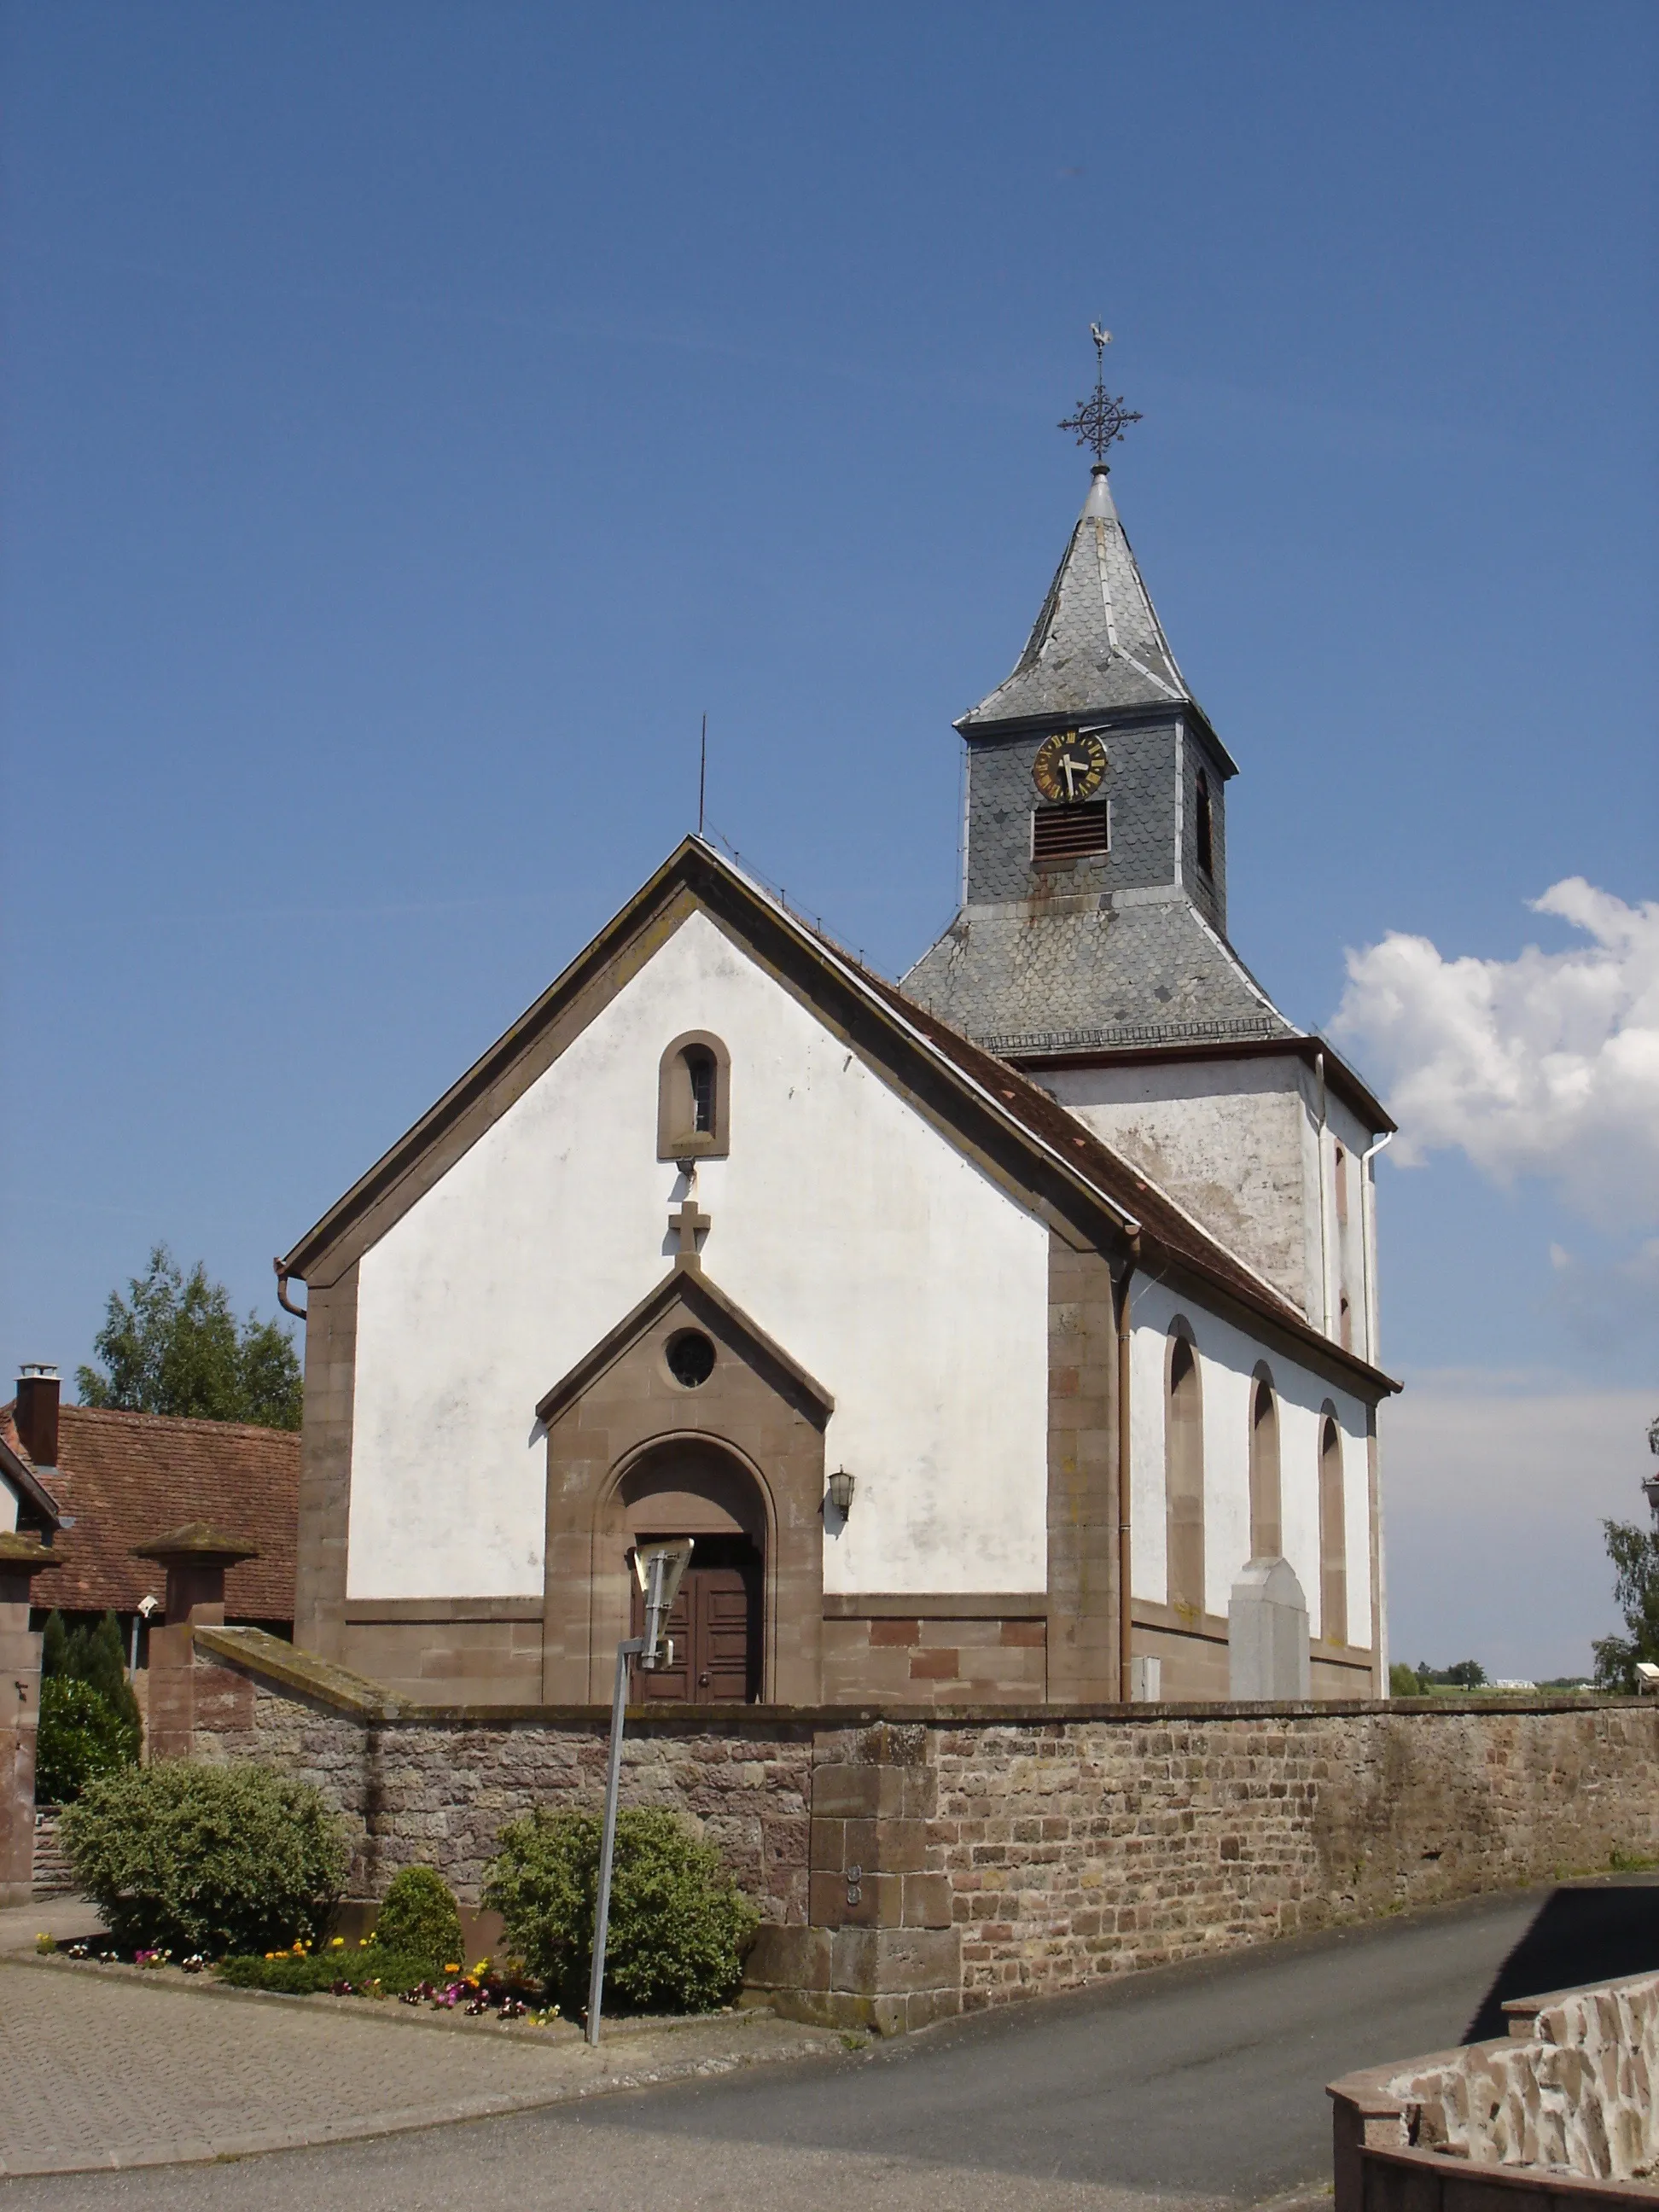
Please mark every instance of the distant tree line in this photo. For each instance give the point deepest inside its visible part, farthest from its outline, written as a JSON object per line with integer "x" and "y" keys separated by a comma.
{"x": 1423, "y": 1680}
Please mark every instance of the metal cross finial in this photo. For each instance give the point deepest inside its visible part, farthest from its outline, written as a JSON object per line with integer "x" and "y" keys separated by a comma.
{"x": 1100, "y": 421}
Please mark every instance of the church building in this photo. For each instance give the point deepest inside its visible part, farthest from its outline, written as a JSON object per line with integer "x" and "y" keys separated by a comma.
{"x": 1006, "y": 1336}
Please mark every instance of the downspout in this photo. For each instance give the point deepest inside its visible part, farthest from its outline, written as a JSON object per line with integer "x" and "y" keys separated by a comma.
{"x": 1125, "y": 1623}
{"x": 1373, "y": 1472}
{"x": 1367, "y": 1238}
{"x": 284, "y": 1276}
{"x": 1324, "y": 1248}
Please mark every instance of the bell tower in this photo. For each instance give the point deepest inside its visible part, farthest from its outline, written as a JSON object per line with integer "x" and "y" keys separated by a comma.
{"x": 1091, "y": 950}
{"x": 1094, "y": 907}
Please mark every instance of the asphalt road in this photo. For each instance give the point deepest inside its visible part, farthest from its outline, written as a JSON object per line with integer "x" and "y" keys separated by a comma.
{"x": 1202, "y": 2085}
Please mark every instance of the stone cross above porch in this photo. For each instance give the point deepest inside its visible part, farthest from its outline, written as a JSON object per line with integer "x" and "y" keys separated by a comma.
{"x": 689, "y": 1222}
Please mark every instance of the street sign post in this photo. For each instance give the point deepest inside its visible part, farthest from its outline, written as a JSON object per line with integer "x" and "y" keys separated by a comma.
{"x": 658, "y": 1568}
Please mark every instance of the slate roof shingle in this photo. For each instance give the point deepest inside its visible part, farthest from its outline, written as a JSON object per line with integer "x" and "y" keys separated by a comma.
{"x": 1097, "y": 643}
{"x": 124, "y": 1479}
{"x": 1150, "y": 973}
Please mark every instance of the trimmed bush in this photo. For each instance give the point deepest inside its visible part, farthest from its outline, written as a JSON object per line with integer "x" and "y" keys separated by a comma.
{"x": 679, "y": 1925}
{"x": 81, "y": 1737}
{"x": 420, "y": 1919}
{"x": 215, "y": 1859}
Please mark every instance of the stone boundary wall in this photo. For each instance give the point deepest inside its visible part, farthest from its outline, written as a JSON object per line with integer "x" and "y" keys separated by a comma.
{"x": 1568, "y": 2092}
{"x": 1076, "y": 1849}
{"x": 1577, "y": 2092}
{"x": 930, "y": 1861}
{"x": 424, "y": 1786}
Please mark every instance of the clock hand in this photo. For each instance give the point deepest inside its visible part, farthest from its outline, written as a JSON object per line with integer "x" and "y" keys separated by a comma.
{"x": 1069, "y": 767}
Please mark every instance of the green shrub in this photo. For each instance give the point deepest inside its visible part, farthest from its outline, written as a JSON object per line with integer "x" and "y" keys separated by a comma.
{"x": 81, "y": 1737}
{"x": 213, "y": 1859}
{"x": 1403, "y": 1680}
{"x": 95, "y": 1656}
{"x": 318, "y": 1971}
{"x": 679, "y": 1926}
{"x": 420, "y": 1919}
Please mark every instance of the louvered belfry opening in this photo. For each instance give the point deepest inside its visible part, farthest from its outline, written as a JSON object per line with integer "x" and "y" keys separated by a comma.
{"x": 1069, "y": 833}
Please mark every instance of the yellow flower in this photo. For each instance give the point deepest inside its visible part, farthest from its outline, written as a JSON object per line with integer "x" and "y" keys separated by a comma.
{"x": 454, "y": 1967}
{"x": 338, "y": 1944}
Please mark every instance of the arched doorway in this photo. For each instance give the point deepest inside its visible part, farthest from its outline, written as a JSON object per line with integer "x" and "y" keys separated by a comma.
{"x": 691, "y": 1487}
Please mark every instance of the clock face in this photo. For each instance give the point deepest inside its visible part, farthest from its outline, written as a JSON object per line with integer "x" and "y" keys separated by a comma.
{"x": 1070, "y": 765}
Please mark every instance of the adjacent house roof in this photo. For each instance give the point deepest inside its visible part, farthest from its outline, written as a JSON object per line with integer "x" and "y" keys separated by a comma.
{"x": 1097, "y": 646}
{"x": 37, "y": 1508}
{"x": 125, "y": 1478}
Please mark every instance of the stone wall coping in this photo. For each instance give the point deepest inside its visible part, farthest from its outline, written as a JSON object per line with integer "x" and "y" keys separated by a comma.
{"x": 258, "y": 1653}
{"x": 1521, "y": 2012}
{"x": 1369, "y": 2092}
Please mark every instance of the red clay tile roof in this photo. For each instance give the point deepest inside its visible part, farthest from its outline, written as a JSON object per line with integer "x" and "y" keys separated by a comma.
{"x": 124, "y": 1479}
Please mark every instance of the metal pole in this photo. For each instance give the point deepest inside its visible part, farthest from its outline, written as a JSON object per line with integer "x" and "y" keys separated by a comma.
{"x": 631, "y": 1650}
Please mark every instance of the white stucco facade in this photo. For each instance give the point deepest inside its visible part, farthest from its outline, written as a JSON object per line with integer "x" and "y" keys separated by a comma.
{"x": 1252, "y": 1148}
{"x": 862, "y": 1241}
{"x": 1227, "y": 1360}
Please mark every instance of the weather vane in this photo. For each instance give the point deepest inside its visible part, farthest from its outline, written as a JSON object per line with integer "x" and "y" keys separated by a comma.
{"x": 1100, "y": 421}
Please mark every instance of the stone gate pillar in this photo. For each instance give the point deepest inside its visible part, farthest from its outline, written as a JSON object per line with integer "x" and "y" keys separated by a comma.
{"x": 22, "y": 1558}
{"x": 196, "y": 1558}
{"x": 880, "y": 1951}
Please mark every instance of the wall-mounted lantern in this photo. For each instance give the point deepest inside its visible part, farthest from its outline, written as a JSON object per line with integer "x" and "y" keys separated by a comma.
{"x": 841, "y": 1486}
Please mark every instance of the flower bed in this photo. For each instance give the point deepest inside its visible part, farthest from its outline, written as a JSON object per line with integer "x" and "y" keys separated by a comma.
{"x": 370, "y": 1971}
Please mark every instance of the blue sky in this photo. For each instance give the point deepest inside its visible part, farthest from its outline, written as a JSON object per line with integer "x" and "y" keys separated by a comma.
{"x": 414, "y": 417}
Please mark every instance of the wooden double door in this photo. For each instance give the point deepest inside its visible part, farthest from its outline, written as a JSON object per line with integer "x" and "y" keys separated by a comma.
{"x": 715, "y": 1626}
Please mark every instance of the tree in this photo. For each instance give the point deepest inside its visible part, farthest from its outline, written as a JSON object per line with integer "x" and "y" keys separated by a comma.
{"x": 1635, "y": 1555}
{"x": 172, "y": 1347}
{"x": 89, "y": 1722}
{"x": 93, "y": 1655}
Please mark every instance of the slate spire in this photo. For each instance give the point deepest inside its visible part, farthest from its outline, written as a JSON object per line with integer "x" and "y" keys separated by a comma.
{"x": 1097, "y": 646}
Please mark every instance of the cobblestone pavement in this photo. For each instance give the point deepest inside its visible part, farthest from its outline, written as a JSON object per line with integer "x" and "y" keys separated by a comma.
{"x": 101, "y": 2071}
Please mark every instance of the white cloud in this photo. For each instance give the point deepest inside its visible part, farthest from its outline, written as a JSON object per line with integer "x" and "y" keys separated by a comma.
{"x": 1547, "y": 1064}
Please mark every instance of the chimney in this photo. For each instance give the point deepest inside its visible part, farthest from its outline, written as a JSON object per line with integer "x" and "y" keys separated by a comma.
{"x": 37, "y": 1412}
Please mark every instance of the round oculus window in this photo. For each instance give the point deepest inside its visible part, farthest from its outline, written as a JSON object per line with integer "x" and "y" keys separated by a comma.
{"x": 691, "y": 1357}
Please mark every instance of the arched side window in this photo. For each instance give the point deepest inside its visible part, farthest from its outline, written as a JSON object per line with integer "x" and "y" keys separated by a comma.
{"x": 1183, "y": 1471}
{"x": 1267, "y": 1527}
{"x": 1206, "y": 826}
{"x": 1333, "y": 1533}
{"x": 694, "y": 1098}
